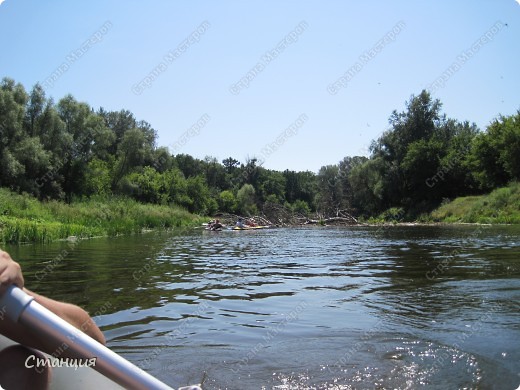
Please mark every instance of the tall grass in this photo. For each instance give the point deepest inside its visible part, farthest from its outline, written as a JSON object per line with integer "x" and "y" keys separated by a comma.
{"x": 392, "y": 215}
{"x": 25, "y": 219}
{"x": 500, "y": 206}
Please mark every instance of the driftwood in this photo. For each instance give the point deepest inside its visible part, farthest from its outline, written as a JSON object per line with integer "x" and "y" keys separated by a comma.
{"x": 274, "y": 214}
{"x": 333, "y": 220}
{"x": 230, "y": 219}
{"x": 279, "y": 214}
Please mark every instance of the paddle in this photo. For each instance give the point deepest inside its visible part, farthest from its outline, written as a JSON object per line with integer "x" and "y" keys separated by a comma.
{"x": 21, "y": 308}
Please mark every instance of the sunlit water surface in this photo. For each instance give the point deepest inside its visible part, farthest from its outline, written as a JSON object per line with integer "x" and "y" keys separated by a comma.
{"x": 316, "y": 308}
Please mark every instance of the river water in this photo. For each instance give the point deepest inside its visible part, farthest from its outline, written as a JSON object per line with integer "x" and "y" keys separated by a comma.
{"x": 399, "y": 307}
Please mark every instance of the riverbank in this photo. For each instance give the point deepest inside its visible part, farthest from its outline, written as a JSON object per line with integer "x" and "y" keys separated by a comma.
{"x": 24, "y": 219}
{"x": 500, "y": 206}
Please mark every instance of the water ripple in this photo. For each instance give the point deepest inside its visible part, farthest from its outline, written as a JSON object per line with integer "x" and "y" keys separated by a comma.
{"x": 315, "y": 308}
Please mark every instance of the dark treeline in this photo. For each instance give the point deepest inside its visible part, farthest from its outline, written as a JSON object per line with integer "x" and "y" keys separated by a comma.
{"x": 67, "y": 150}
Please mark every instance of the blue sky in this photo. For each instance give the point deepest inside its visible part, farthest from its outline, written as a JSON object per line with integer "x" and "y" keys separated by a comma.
{"x": 253, "y": 70}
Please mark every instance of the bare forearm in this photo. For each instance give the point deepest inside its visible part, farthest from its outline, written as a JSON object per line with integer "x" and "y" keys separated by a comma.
{"x": 11, "y": 273}
{"x": 70, "y": 313}
{"x": 74, "y": 315}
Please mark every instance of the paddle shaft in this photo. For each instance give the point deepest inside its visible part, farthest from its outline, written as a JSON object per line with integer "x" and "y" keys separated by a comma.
{"x": 22, "y": 308}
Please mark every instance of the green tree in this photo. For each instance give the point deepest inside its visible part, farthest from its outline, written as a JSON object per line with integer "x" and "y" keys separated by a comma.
{"x": 300, "y": 185}
{"x": 13, "y": 99}
{"x": 454, "y": 171}
{"x": 147, "y": 185}
{"x": 188, "y": 165}
{"x": 249, "y": 173}
{"x": 367, "y": 187}
{"x": 215, "y": 174}
{"x": 272, "y": 183}
{"x": 162, "y": 159}
{"x": 34, "y": 111}
{"x": 418, "y": 123}
{"x": 119, "y": 122}
{"x": 36, "y": 162}
{"x": 495, "y": 153}
{"x": 246, "y": 200}
{"x": 198, "y": 192}
{"x": 98, "y": 178}
{"x": 227, "y": 201}
{"x": 90, "y": 138}
{"x": 421, "y": 159}
{"x": 345, "y": 167}
{"x": 330, "y": 198}
{"x": 230, "y": 164}
{"x": 131, "y": 154}
{"x": 176, "y": 187}
{"x": 54, "y": 136}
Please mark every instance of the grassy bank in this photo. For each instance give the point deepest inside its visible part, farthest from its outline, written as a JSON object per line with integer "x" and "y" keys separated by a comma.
{"x": 500, "y": 206}
{"x": 25, "y": 219}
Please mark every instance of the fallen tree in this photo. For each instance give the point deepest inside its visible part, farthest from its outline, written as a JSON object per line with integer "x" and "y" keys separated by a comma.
{"x": 274, "y": 214}
{"x": 342, "y": 217}
{"x": 228, "y": 219}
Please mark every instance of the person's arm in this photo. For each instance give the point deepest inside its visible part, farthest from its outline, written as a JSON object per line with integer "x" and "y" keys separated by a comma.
{"x": 11, "y": 273}
{"x": 73, "y": 314}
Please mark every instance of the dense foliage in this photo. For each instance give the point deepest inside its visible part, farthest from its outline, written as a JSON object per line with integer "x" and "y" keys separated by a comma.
{"x": 68, "y": 150}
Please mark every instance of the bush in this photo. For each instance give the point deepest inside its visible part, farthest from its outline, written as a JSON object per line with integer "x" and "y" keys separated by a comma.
{"x": 301, "y": 207}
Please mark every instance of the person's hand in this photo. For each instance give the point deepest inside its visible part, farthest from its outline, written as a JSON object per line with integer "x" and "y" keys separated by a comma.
{"x": 10, "y": 272}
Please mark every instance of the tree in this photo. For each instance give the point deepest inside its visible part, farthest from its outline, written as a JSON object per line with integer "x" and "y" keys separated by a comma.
{"x": 176, "y": 187}
{"x": 80, "y": 123}
{"x": 131, "y": 154}
{"x": 249, "y": 172}
{"x": 227, "y": 201}
{"x": 98, "y": 178}
{"x": 494, "y": 155}
{"x": 272, "y": 183}
{"x": 344, "y": 169}
{"x": 215, "y": 174}
{"x": 421, "y": 159}
{"x": 198, "y": 192}
{"x": 34, "y": 110}
{"x": 454, "y": 173}
{"x": 12, "y": 112}
{"x": 420, "y": 163}
{"x": 330, "y": 198}
{"x": 188, "y": 165}
{"x": 119, "y": 122}
{"x": 300, "y": 185}
{"x": 54, "y": 136}
{"x": 36, "y": 161}
{"x": 230, "y": 164}
{"x": 367, "y": 187}
{"x": 246, "y": 200}
{"x": 418, "y": 123}
{"x": 162, "y": 160}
